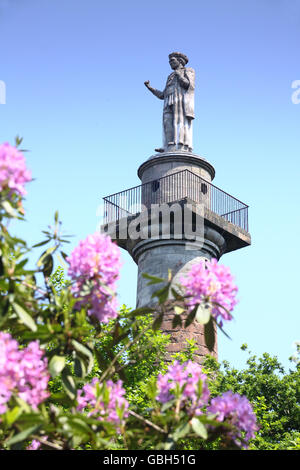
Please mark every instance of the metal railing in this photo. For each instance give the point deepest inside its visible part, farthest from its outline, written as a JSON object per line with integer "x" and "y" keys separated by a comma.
{"x": 173, "y": 188}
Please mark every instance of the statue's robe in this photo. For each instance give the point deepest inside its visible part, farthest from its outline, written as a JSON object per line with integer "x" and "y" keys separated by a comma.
{"x": 179, "y": 105}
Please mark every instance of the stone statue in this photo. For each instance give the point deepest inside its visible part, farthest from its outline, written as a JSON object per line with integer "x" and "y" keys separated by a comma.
{"x": 178, "y": 111}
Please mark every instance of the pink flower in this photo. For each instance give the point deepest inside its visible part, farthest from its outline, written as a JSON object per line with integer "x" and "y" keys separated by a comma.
{"x": 185, "y": 378}
{"x": 33, "y": 381}
{"x": 210, "y": 282}
{"x": 94, "y": 266}
{"x": 104, "y": 401}
{"x": 35, "y": 445}
{"x": 23, "y": 372}
{"x": 13, "y": 171}
{"x": 235, "y": 409}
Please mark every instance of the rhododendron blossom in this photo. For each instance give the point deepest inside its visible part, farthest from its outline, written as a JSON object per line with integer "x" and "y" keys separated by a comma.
{"x": 94, "y": 266}
{"x": 103, "y": 401}
{"x": 212, "y": 283}
{"x": 13, "y": 171}
{"x": 23, "y": 372}
{"x": 236, "y": 410}
{"x": 185, "y": 378}
{"x": 35, "y": 445}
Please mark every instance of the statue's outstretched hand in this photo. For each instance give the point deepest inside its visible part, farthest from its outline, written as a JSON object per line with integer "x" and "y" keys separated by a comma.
{"x": 147, "y": 83}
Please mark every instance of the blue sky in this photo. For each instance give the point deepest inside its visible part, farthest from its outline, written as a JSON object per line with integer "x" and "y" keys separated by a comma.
{"x": 74, "y": 74}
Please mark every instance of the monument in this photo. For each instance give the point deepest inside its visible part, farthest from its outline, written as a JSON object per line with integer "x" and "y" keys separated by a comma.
{"x": 178, "y": 111}
{"x": 176, "y": 216}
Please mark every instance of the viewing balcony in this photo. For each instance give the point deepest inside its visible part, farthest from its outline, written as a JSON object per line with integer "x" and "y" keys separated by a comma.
{"x": 183, "y": 185}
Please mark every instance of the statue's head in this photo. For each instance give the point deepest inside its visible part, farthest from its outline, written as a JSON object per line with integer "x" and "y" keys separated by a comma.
{"x": 176, "y": 59}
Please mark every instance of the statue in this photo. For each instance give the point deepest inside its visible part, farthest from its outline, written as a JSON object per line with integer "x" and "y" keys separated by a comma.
{"x": 178, "y": 111}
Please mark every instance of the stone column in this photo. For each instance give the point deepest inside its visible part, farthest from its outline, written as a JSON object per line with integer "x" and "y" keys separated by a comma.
{"x": 155, "y": 256}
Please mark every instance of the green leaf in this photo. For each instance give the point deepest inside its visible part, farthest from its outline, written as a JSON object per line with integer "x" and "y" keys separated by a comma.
{"x": 166, "y": 406}
{"x": 48, "y": 266}
{"x": 56, "y": 216}
{"x": 23, "y": 405}
{"x": 9, "y": 208}
{"x": 190, "y": 318}
{"x": 157, "y": 322}
{"x": 162, "y": 294}
{"x": 199, "y": 388}
{"x": 102, "y": 360}
{"x": 177, "y": 321}
{"x": 64, "y": 255}
{"x": 169, "y": 444}
{"x": 79, "y": 367}
{"x": 69, "y": 383}
{"x": 141, "y": 311}
{"x": 44, "y": 255}
{"x": 86, "y": 352}
{"x": 24, "y": 316}
{"x": 82, "y": 348}
{"x": 23, "y": 435}
{"x": 61, "y": 398}
{"x": 80, "y": 427}
{"x": 153, "y": 279}
{"x": 56, "y": 365}
{"x": 224, "y": 308}
{"x": 18, "y": 140}
{"x": 178, "y": 310}
{"x": 4, "y": 310}
{"x": 199, "y": 428}
{"x": 119, "y": 333}
{"x": 21, "y": 265}
{"x": 181, "y": 431}
{"x": 12, "y": 415}
{"x": 44, "y": 242}
{"x": 223, "y": 331}
{"x": 209, "y": 334}
{"x": 203, "y": 313}
{"x": 176, "y": 294}
{"x": 17, "y": 241}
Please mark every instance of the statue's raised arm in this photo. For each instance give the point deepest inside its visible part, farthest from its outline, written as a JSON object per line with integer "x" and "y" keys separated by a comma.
{"x": 178, "y": 111}
{"x": 159, "y": 94}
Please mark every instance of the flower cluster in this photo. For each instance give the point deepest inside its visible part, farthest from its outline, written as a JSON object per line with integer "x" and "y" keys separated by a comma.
{"x": 94, "y": 268}
{"x": 186, "y": 381}
{"x": 105, "y": 401}
{"x": 237, "y": 411}
{"x": 13, "y": 171}
{"x": 35, "y": 445}
{"x": 211, "y": 282}
{"x": 22, "y": 371}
